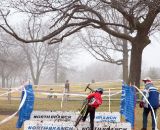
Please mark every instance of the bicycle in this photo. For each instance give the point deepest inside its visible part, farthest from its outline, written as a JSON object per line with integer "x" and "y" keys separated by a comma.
{"x": 83, "y": 108}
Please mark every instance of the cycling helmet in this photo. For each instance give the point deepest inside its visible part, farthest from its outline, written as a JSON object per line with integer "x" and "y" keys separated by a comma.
{"x": 99, "y": 90}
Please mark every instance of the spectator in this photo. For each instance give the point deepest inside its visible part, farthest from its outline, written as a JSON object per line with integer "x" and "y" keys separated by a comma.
{"x": 152, "y": 94}
{"x": 93, "y": 81}
{"x": 66, "y": 88}
{"x": 51, "y": 94}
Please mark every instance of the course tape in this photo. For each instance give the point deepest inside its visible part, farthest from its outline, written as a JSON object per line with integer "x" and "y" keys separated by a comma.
{"x": 20, "y": 106}
{"x": 12, "y": 91}
{"x": 73, "y": 94}
{"x": 44, "y": 93}
{"x": 62, "y": 94}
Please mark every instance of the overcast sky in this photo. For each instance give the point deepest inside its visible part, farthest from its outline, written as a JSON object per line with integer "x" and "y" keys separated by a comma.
{"x": 151, "y": 54}
{"x": 150, "y": 57}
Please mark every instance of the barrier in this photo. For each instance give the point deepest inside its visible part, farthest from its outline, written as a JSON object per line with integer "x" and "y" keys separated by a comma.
{"x": 72, "y": 116}
{"x": 53, "y": 116}
{"x": 19, "y": 89}
{"x": 49, "y": 125}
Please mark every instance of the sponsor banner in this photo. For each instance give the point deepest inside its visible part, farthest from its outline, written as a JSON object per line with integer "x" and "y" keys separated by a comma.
{"x": 54, "y": 116}
{"x": 49, "y": 125}
{"x": 107, "y": 117}
{"x": 72, "y": 116}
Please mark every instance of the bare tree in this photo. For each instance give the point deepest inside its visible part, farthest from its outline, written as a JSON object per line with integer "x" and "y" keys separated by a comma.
{"x": 12, "y": 61}
{"x": 61, "y": 58}
{"x": 107, "y": 48}
{"x": 70, "y": 16}
{"x": 36, "y": 55}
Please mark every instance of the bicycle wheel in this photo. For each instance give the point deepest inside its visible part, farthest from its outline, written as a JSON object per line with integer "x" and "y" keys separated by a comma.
{"x": 78, "y": 120}
{"x": 82, "y": 113}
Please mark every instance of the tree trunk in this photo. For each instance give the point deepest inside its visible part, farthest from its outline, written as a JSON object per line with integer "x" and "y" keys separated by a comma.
{"x": 7, "y": 82}
{"x": 36, "y": 81}
{"x": 56, "y": 64}
{"x": 125, "y": 55}
{"x": 136, "y": 60}
{"x": 125, "y": 61}
{"x": 37, "y": 78}
{"x": 56, "y": 72}
{"x": 3, "y": 80}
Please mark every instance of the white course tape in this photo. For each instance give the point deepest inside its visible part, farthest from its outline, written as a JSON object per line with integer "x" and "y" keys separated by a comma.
{"x": 7, "y": 93}
{"x": 14, "y": 90}
{"x": 61, "y": 94}
{"x": 75, "y": 94}
{"x": 109, "y": 95}
{"x": 21, "y": 104}
{"x": 62, "y": 98}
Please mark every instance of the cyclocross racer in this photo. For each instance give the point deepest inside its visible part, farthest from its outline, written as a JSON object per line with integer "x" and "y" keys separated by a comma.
{"x": 95, "y": 100}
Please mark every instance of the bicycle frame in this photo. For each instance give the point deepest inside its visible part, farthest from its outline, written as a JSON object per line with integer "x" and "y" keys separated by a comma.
{"x": 83, "y": 108}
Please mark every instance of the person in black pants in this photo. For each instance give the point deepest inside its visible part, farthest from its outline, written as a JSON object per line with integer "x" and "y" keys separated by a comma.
{"x": 152, "y": 94}
{"x": 95, "y": 100}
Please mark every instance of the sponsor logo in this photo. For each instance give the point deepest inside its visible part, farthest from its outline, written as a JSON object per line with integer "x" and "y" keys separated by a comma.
{"x": 106, "y": 128}
{"x": 48, "y": 128}
{"x": 55, "y": 117}
{"x": 107, "y": 118}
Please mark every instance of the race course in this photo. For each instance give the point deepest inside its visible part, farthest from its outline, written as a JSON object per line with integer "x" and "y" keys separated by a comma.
{"x": 42, "y": 102}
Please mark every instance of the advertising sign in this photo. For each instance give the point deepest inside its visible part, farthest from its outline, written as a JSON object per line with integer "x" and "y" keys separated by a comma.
{"x": 49, "y": 125}
{"x": 107, "y": 117}
{"x": 72, "y": 116}
{"x": 53, "y": 116}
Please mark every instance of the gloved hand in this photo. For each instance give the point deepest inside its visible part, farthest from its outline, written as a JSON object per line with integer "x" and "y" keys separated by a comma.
{"x": 85, "y": 101}
{"x": 141, "y": 104}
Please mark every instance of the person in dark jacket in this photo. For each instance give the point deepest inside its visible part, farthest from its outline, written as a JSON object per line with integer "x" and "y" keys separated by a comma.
{"x": 94, "y": 101}
{"x": 66, "y": 88}
{"x": 152, "y": 95}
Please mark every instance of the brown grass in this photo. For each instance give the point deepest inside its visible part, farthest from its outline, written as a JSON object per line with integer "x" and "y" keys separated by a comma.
{"x": 8, "y": 108}
{"x": 67, "y": 106}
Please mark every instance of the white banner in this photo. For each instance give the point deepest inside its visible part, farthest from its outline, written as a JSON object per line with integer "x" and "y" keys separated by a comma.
{"x": 53, "y": 116}
{"x": 107, "y": 117}
{"x": 72, "y": 116}
{"x": 49, "y": 125}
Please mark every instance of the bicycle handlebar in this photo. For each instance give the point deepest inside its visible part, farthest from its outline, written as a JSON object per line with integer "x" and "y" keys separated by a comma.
{"x": 87, "y": 87}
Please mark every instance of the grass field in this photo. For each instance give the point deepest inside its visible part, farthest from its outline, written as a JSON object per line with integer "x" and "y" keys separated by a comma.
{"x": 67, "y": 106}
{"x": 7, "y": 108}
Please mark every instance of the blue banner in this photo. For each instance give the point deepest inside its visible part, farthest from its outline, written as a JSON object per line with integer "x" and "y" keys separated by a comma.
{"x": 122, "y": 102}
{"x": 27, "y": 107}
{"x": 128, "y": 103}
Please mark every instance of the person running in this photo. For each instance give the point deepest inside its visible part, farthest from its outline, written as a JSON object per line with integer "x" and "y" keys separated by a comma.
{"x": 95, "y": 100}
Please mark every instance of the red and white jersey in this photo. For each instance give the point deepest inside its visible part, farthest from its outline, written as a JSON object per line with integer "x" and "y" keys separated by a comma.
{"x": 95, "y": 99}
